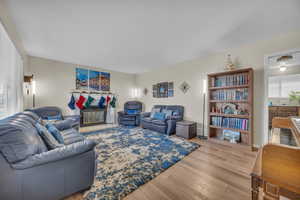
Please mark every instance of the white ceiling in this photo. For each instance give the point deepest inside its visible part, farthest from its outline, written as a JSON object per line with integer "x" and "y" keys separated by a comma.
{"x": 135, "y": 36}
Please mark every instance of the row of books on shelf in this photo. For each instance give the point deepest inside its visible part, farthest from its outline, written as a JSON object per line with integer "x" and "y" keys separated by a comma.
{"x": 236, "y": 94}
{"x": 230, "y": 80}
{"x": 235, "y": 123}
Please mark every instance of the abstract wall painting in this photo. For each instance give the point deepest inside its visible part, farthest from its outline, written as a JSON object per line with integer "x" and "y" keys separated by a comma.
{"x": 82, "y": 79}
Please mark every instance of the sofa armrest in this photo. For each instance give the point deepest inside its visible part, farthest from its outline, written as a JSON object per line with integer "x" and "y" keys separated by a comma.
{"x": 145, "y": 114}
{"x": 56, "y": 154}
{"x": 121, "y": 113}
{"x": 176, "y": 118}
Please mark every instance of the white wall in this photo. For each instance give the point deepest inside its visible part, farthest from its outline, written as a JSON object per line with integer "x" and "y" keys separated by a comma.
{"x": 10, "y": 29}
{"x": 55, "y": 80}
{"x": 195, "y": 71}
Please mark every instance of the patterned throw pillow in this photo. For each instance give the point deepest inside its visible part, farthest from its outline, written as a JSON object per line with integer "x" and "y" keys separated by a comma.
{"x": 55, "y": 132}
{"x": 48, "y": 138}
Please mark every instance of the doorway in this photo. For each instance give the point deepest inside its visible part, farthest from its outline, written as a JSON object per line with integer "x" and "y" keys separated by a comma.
{"x": 282, "y": 91}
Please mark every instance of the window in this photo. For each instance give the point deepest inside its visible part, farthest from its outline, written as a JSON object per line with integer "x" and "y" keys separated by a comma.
{"x": 282, "y": 86}
{"x": 11, "y": 76}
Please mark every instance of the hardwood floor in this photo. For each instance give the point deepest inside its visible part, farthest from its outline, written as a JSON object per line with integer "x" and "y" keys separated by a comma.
{"x": 215, "y": 171}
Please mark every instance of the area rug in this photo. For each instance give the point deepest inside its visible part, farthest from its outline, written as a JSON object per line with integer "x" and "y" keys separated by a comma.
{"x": 130, "y": 157}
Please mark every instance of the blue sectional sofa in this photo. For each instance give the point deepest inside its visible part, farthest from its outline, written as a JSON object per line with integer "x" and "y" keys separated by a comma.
{"x": 31, "y": 169}
{"x": 167, "y": 124}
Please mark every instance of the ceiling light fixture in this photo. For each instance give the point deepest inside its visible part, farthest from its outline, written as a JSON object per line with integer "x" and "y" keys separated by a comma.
{"x": 283, "y": 60}
{"x": 282, "y": 68}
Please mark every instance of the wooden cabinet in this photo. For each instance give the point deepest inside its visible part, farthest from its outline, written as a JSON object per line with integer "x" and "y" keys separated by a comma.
{"x": 282, "y": 111}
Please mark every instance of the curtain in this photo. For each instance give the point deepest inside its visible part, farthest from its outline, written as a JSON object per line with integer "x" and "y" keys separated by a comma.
{"x": 11, "y": 76}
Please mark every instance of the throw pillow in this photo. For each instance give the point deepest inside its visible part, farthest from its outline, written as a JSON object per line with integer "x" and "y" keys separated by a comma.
{"x": 159, "y": 116}
{"x": 56, "y": 117}
{"x": 168, "y": 113}
{"x": 132, "y": 111}
{"x": 154, "y": 110}
{"x": 48, "y": 138}
{"x": 55, "y": 132}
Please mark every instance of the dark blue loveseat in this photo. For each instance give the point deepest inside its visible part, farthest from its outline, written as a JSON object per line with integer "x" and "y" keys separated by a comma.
{"x": 167, "y": 125}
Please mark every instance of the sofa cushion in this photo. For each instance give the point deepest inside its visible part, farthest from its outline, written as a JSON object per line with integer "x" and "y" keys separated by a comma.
{"x": 129, "y": 118}
{"x": 17, "y": 142}
{"x": 55, "y": 132}
{"x": 20, "y": 122}
{"x": 159, "y": 116}
{"x": 147, "y": 119}
{"x": 48, "y": 138}
{"x": 72, "y": 138}
{"x": 68, "y": 132}
{"x": 158, "y": 122}
{"x": 32, "y": 115}
{"x": 26, "y": 118}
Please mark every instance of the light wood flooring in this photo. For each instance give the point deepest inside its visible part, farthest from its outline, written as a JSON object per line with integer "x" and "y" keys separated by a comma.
{"x": 215, "y": 171}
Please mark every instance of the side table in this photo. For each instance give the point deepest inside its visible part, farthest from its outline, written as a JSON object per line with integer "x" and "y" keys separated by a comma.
{"x": 186, "y": 129}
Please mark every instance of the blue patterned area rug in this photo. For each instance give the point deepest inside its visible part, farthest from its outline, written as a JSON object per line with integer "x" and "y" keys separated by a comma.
{"x": 130, "y": 157}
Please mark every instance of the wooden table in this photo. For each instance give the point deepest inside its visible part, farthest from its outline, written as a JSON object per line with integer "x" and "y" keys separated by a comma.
{"x": 277, "y": 167}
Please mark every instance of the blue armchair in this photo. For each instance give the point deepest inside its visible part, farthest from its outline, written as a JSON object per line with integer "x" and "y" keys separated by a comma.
{"x": 131, "y": 114}
{"x": 167, "y": 125}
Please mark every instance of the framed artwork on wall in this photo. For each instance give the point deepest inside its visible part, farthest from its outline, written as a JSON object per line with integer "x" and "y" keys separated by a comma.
{"x": 163, "y": 90}
{"x": 170, "y": 89}
{"x": 82, "y": 79}
{"x": 92, "y": 80}
{"x": 105, "y": 81}
{"x": 154, "y": 91}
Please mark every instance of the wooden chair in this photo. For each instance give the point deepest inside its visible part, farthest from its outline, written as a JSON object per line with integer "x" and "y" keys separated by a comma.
{"x": 277, "y": 168}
